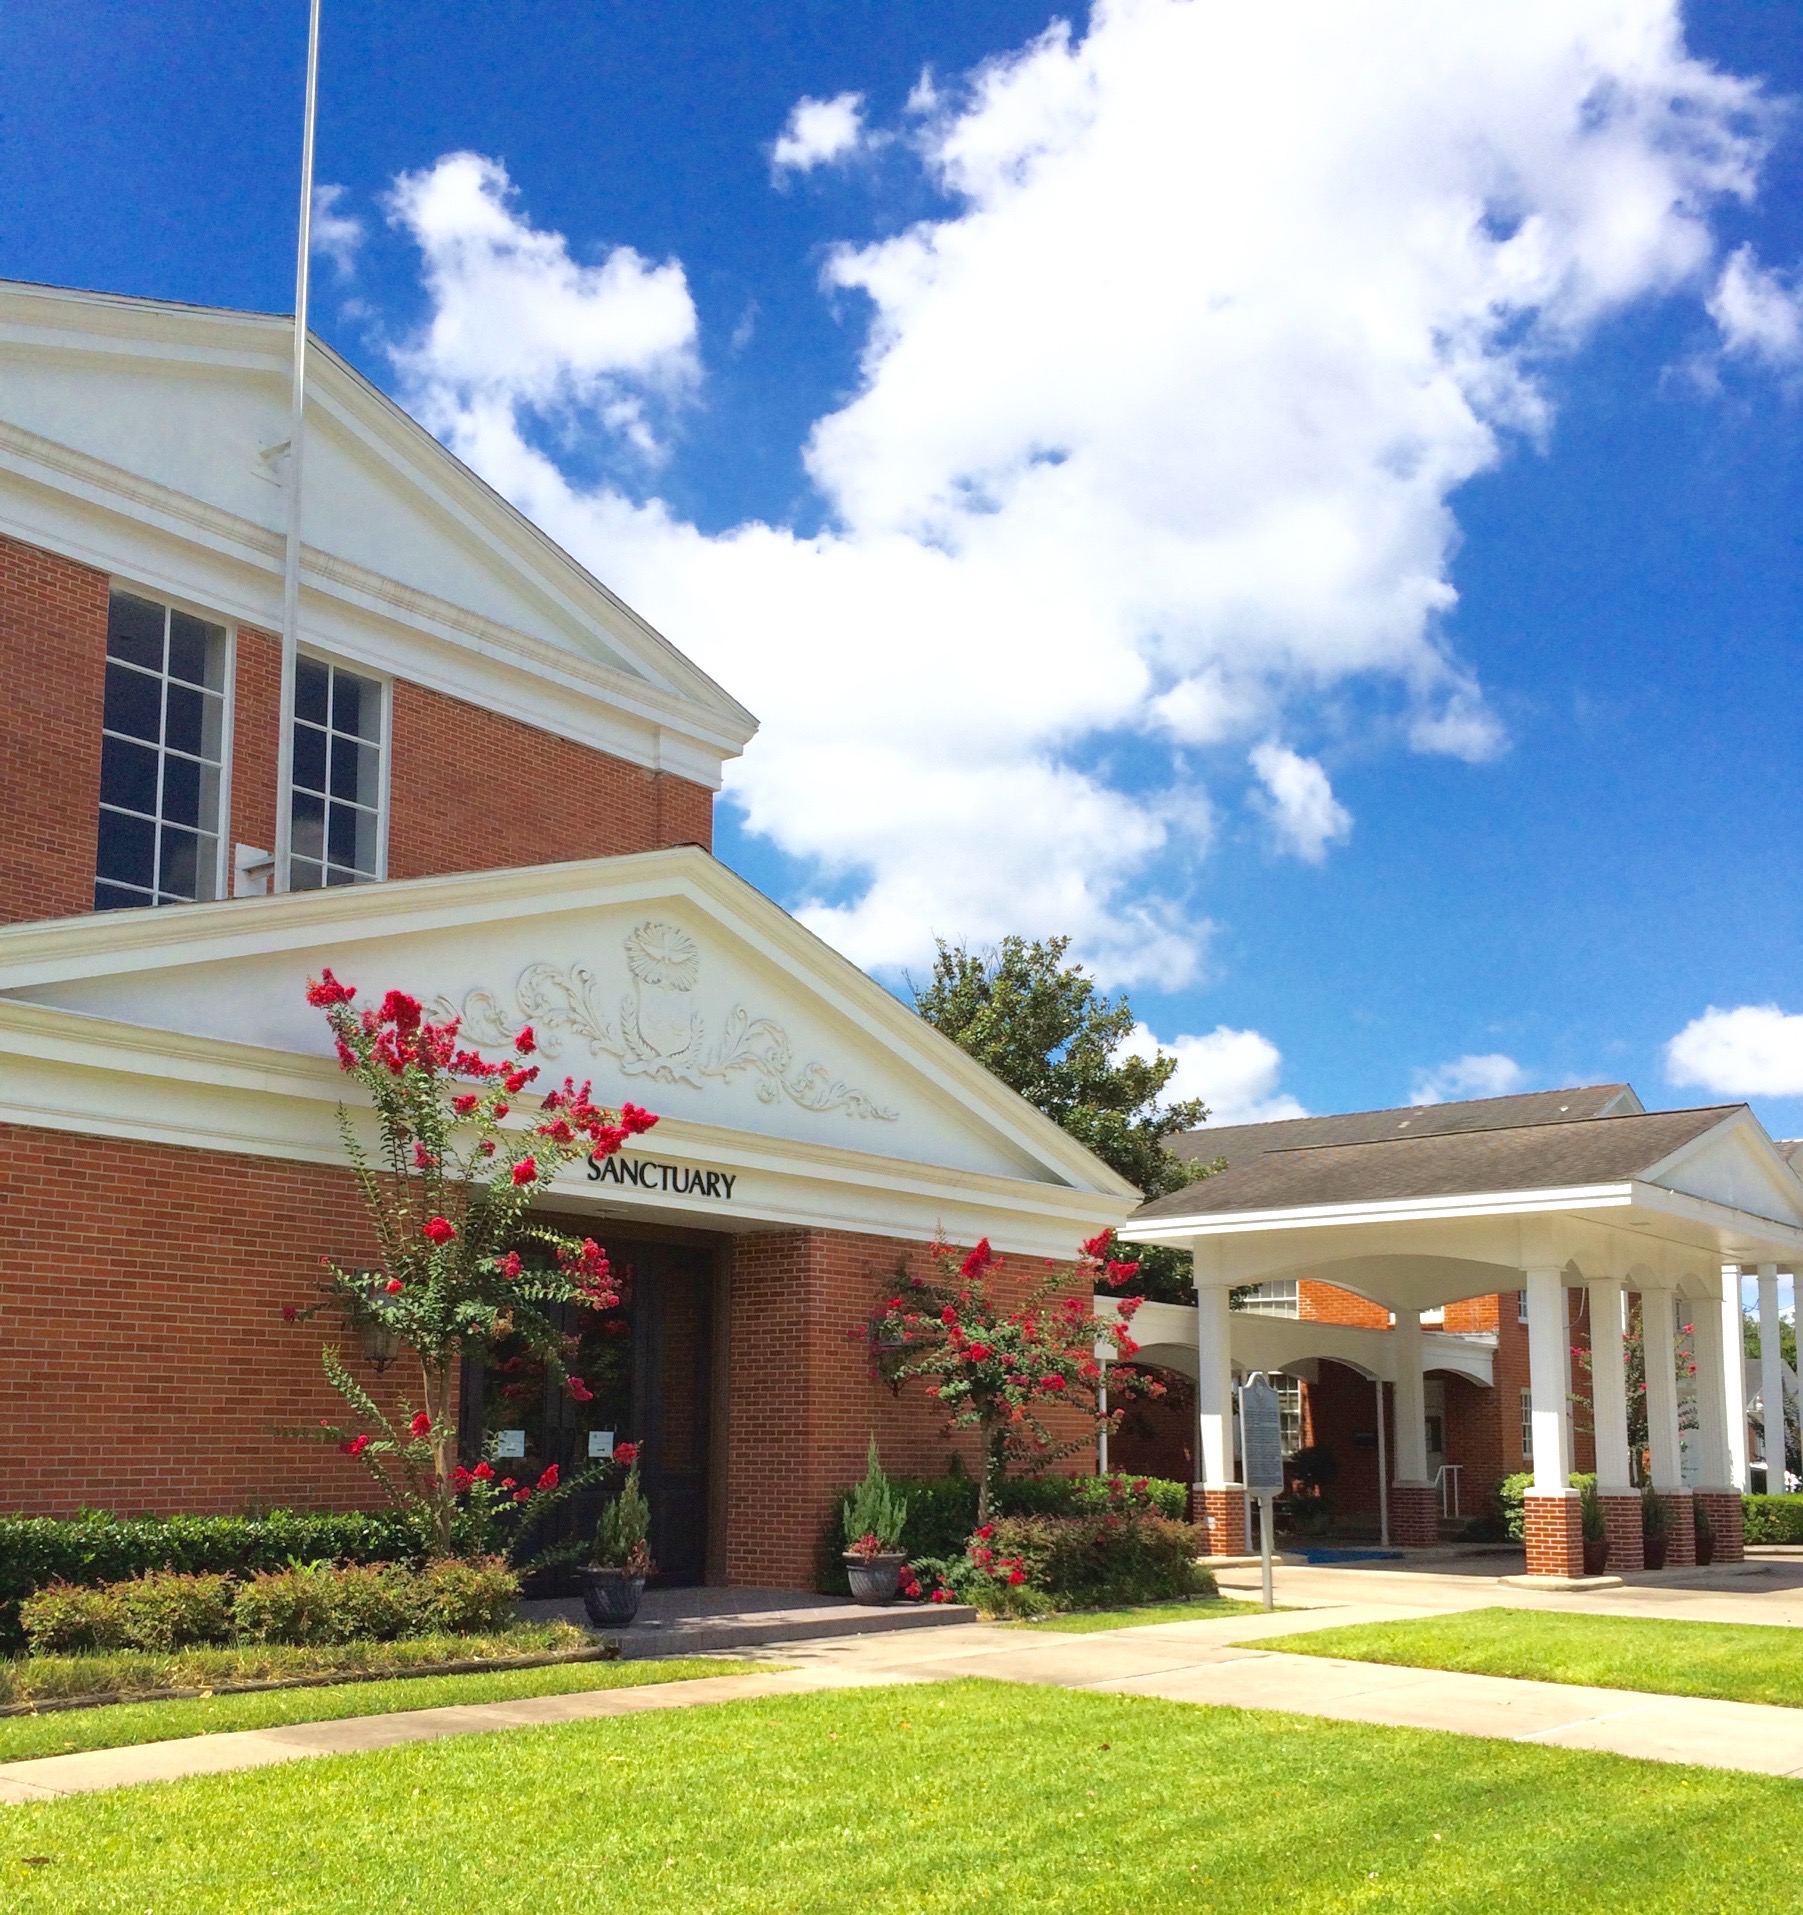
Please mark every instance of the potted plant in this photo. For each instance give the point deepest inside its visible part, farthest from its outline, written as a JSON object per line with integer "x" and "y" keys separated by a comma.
{"x": 1705, "y": 1535}
{"x": 1596, "y": 1529}
{"x": 614, "y": 1580}
{"x": 1655, "y": 1527}
{"x": 874, "y": 1515}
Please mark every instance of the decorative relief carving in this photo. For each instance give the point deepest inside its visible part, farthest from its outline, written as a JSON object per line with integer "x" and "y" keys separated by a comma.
{"x": 659, "y": 1034}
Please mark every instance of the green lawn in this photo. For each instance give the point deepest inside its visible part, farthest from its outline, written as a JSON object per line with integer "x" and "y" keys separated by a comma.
{"x": 67, "y": 1730}
{"x": 961, "y": 1796}
{"x": 1081, "y": 1622}
{"x": 1740, "y": 1662}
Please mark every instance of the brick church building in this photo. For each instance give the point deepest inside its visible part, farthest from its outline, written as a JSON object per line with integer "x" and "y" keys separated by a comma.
{"x": 500, "y": 800}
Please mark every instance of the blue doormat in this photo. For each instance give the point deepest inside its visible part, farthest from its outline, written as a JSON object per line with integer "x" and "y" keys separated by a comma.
{"x": 1326, "y": 1558}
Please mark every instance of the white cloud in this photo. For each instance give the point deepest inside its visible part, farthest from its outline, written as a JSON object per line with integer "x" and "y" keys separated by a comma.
{"x": 1759, "y": 312}
{"x": 333, "y": 234}
{"x": 1235, "y": 1073}
{"x": 1298, "y": 802}
{"x": 1491, "y": 1075}
{"x": 1755, "y": 1050}
{"x": 518, "y": 326}
{"x": 818, "y": 133}
{"x": 1156, "y": 437}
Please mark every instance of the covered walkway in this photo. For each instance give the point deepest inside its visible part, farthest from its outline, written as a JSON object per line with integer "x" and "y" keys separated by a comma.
{"x": 1542, "y": 1195}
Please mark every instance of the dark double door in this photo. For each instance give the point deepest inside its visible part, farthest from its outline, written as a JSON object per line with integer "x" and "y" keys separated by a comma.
{"x": 649, "y": 1366}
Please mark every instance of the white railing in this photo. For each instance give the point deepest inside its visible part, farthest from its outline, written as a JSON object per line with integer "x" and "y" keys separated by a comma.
{"x": 1446, "y": 1481}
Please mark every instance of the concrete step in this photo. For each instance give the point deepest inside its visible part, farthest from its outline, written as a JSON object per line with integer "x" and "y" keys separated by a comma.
{"x": 681, "y": 1630}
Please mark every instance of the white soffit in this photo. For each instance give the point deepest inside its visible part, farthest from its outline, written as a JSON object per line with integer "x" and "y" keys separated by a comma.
{"x": 662, "y": 976}
{"x": 143, "y": 439}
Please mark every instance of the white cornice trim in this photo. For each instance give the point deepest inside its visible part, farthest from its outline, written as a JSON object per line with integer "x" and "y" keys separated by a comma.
{"x": 663, "y": 693}
{"x": 114, "y": 943}
{"x": 1502, "y": 1203}
{"x": 92, "y": 1077}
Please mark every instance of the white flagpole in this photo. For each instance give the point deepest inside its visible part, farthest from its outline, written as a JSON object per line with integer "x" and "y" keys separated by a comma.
{"x": 284, "y": 813}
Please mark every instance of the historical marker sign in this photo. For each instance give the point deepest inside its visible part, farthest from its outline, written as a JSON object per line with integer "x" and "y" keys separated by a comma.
{"x": 1261, "y": 1437}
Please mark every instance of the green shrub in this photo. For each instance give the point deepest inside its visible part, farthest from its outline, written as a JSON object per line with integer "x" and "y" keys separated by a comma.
{"x": 158, "y": 1612}
{"x": 66, "y": 1620}
{"x": 164, "y": 1612}
{"x": 1773, "y": 1519}
{"x": 1030, "y": 1565}
{"x": 375, "y": 1603}
{"x": 874, "y": 1508}
{"x": 97, "y": 1548}
{"x": 455, "y": 1597}
{"x": 942, "y": 1511}
{"x": 1509, "y": 1494}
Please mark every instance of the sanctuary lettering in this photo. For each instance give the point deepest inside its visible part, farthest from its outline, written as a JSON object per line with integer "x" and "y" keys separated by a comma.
{"x": 677, "y": 1178}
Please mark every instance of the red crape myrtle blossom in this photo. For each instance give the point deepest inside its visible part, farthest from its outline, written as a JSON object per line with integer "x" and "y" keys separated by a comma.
{"x": 999, "y": 1369}
{"x": 449, "y": 1188}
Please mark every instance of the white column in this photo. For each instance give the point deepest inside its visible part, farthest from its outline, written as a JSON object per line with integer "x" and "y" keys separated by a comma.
{"x": 1214, "y": 1386}
{"x": 1411, "y": 1400}
{"x": 1659, "y": 1346}
{"x": 1608, "y": 1388}
{"x": 1734, "y": 1373}
{"x": 1549, "y": 1377}
{"x": 1716, "y": 1469}
{"x": 1771, "y": 1379}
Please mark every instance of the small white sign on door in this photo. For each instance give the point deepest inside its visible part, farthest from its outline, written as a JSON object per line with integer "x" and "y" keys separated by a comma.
{"x": 600, "y": 1444}
{"x": 510, "y": 1443}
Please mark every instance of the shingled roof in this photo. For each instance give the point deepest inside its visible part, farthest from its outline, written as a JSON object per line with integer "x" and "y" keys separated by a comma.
{"x": 1548, "y": 1140}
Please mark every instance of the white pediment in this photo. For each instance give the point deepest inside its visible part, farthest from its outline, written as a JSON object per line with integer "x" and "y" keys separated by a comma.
{"x": 1735, "y": 1165}
{"x": 172, "y": 421}
{"x": 662, "y": 977}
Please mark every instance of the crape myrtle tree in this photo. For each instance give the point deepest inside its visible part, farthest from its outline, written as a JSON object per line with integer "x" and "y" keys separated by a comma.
{"x": 998, "y": 1369}
{"x": 1043, "y": 1028}
{"x": 448, "y": 1190}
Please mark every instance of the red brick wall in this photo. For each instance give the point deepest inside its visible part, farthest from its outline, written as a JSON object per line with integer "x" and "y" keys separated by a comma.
{"x": 803, "y": 1404}
{"x": 1328, "y": 1303}
{"x": 256, "y": 726}
{"x": 473, "y": 791}
{"x": 53, "y": 665}
{"x": 469, "y": 790}
{"x": 144, "y": 1363}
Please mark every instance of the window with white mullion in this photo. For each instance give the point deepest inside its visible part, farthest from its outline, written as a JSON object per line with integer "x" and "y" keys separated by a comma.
{"x": 162, "y": 755}
{"x": 337, "y": 781}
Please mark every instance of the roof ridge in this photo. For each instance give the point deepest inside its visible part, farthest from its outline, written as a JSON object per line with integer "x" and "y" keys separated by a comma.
{"x": 1499, "y": 1130}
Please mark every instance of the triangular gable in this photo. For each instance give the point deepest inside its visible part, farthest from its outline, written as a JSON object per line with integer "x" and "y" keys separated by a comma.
{"x": 1735, "y": 1165}
{"x": 662, "y": 976}
{"x": 174, "y": 417}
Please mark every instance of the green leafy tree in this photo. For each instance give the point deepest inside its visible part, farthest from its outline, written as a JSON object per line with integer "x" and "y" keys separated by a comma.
{"x": 1043, "y": 1027}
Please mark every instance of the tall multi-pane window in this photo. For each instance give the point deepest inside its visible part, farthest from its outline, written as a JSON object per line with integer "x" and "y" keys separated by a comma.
{"x": 1527, "y": 1426}
{"x": 1275, "y": 1299}
{"x": 161, "y": 756}
{"x": 337, "y": 777}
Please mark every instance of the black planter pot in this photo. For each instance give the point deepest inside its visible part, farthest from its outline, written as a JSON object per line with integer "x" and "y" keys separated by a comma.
{"x": 1596, "y": 1555}
{"x": 1654, "y": 1548}
{"x": 874, "y": 1579}
{"x": 611, "y": 1596}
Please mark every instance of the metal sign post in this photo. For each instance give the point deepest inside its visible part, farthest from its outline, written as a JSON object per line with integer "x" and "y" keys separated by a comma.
{"x": 1261, "y": 1442}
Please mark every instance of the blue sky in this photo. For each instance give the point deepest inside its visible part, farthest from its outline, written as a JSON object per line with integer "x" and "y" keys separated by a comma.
{"x": 1379, "y": 650}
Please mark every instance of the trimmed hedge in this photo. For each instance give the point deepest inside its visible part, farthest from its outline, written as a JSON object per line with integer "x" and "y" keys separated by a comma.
{"x": 942, "y": 1511}
{"x": 163, "y": 1612}
{"x": 97, "y": 1548}
{"x": 1773, "y": 1519}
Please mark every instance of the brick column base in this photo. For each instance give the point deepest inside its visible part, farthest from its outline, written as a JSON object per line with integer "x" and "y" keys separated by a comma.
{"x": 1681, "y": 1551}
{"x": 1728, "y": 1519}
{"x": 1621, "y": 1517}
{"x": 1555, "y": 1533}
{"x": 1414, "y": 1515}
{"x": 1221, "y": 1510}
